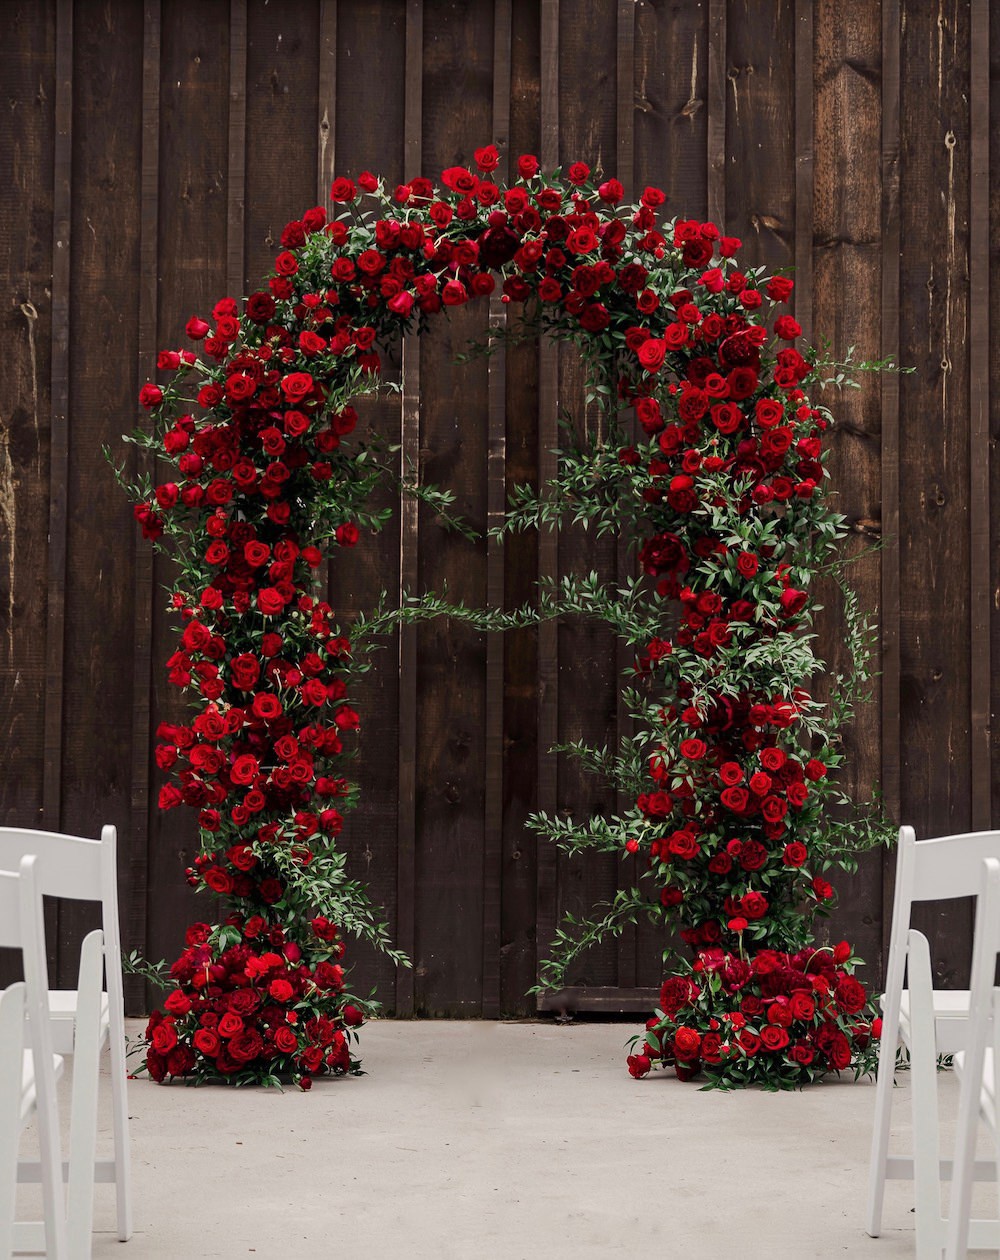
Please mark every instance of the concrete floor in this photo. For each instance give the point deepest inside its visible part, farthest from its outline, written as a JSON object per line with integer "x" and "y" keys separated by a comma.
{"x": 504, "y": 1142}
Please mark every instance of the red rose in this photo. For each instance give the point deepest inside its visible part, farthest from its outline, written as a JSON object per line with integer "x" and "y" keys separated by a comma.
{"x": 747, "y": 564}
{"x": 754, "y": 904}
{"x": 850, "y": 995}
{"x": 164, "y": 1037}
{"x": 652, "y": 353}
{"x": 285, "y": 1040}
{"x": 774, "y": 1037}
{"x": 527, "y": 166}
{"x": 638, "y": 1065}
{"x": 280, "y": 990}
{"x": 246, "y": 1045}
{"x": 353, "y": 1017}
{"x": 779, "y": 288}
{"x": 150, "y": 396}
{"x": 270, "y": 601}
{"x": 296, "y": 386}
{"x": 795, "y": 854}
{"x": 802, "y": 1005}
{"x": 244, "y": 769}
{"x": 787, "y": 328}
{"x": 611, "y": 191}
{"x": 487, "y": 159}
{"x": 687, "y": 1042}
{"x": 177, "y": 1003}
{"x": 342, "y": 189}
{"x": 748, "y": 1042}
{"x": 230, "y": 1025}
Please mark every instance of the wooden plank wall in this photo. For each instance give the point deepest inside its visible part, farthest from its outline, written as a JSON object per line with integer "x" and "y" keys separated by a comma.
{"x": 155, "y": 151}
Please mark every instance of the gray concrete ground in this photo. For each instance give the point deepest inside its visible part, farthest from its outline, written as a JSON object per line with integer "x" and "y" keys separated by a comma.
{"x": 504, "y": 1142}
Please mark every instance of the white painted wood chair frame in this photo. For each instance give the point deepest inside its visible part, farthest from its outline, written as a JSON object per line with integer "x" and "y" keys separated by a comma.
{"x": 931, "y": 870}
{"x": 78, "y": 868}
{"x": 28, "y": 1071}
{"x": 977, "y": 1068}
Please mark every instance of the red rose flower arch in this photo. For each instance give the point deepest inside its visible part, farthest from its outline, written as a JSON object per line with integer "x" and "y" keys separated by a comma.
{"x": 723, "y": 497}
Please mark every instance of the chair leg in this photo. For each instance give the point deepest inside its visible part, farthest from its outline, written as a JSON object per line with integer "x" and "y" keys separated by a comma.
{"x": 11, "y": 1044}
{"x": 83, "y": 1112}
{"x": 119, "y": 1113}
{"x": 923, "y": 1081}
{"x": 880, "y": 1136}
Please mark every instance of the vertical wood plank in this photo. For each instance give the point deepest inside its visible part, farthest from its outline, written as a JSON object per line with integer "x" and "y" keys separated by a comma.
{"x": 994, "y": 390}
{"x": 282, "y": 85}
{"x": 408, "y": 540}
{"x": 670, "y": 92}
{"x": 890, "y": 621}
{"x": 454, "y": 445}
{"x": 625, "y": 164}
{"x": 136, "y": 845}
{"x": 588, "y": 686}
{"x": 27, "y": 36}
{"x": 935, "y": 458}
{"x": 327, "y": 149}
{"x": 369, "y": 136}
{"x": 196, "y": 224}
{"x": 760, "y": 130}
{"x": 104, "y": 295}
{"x": 496, "y": 476}
{"x": 548, "y": 545}
{"x": 804, "y": 156}
{"x": 237, "y": 172}
{"x": 846, "y": 306}
{"x": 59, "y": 439}
{"x": 520, "y": 852}
{"x": 716, "y": 137}
{"x": 980, "y": 447}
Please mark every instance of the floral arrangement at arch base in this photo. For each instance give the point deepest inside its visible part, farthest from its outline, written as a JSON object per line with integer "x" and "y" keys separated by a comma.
{"x": 730, "y": 765}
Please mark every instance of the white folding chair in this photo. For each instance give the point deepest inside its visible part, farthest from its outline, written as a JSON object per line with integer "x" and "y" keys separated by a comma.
{"x": 976, "y": 1066}
{"x": 931, "y": 870}
{"x": 77, "y": 868}
{"x": 28, "y": 1072}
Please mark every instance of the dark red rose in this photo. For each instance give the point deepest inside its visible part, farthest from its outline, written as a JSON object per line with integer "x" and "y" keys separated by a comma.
{"x": 638, "y": 1065}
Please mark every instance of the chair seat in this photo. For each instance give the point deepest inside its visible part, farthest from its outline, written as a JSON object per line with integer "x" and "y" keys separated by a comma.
{"x": 988, "y": 1096}
{"x": 62, "y": 1013}
{"x": 951, "y": 1011}
{"x": 28, "y": 1081}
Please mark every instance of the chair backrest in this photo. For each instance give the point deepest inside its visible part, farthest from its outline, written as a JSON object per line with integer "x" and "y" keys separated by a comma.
{"x": 22, "y": 926}
{"x": 77, "y": 868}
{"x": 933, "y": 870}
{"x": 983, "y": 1031}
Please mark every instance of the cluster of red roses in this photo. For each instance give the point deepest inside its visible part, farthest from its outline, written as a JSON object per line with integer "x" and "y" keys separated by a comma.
{"x": 725, "y": 486}
{"x": 253, "y": 1009}
{"x": 776, "y": 1019}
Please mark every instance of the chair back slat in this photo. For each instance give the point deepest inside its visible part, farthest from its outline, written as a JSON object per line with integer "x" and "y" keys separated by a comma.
{"x": 952, "y": 866}
{"x": 68, "y": 866}
{"x": 10, "y": 924}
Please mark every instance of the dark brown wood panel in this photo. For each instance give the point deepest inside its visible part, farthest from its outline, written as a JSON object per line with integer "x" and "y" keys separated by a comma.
{"x": 103, "y": 311}
{"x": 760, "y": 130}
{"x": 27, "y": 40}
{"x": 588, "y": 676}
{"x": 993, "y": 262}
{"x": 935, "y": 779}
{"x": 848, "y": 258}
{"x": 521, "y": 666}
{"x": 454, "y": 434}
{"x": 670, "y": 105}
{"x": 194, "y": 222}
{"x": 281, "y": 123}
{"x": 369, "y": 136}
{"x": 158, "y": 149}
